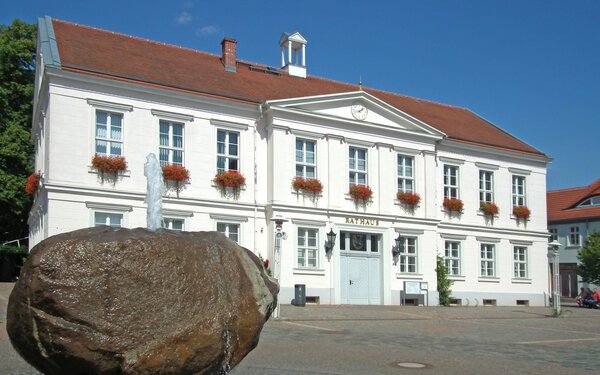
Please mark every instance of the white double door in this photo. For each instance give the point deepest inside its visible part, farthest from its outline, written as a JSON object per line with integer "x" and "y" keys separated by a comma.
{"x": 360, "y": 263}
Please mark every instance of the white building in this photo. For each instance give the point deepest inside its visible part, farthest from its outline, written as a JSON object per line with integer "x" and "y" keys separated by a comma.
{"x": 101, "y": 92}
{"x": 572, "y": 215}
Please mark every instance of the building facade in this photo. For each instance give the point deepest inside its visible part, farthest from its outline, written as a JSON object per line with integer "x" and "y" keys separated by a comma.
{"x": 572, "y": 215}
{"x": 103, "y": 93}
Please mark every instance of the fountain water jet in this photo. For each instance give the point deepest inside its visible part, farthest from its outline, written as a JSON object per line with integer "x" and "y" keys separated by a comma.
{"x": 155, "y": 188}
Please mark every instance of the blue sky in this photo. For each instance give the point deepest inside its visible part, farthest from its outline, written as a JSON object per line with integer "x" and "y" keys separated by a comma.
{"x": 530, "y": 67}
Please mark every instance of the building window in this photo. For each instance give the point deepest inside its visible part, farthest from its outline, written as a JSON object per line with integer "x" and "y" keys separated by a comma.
{"x": 520, "y": 262}
{"x": 408, "y": 255}
{"x": 230, "y": 230}
{"x": 452, "y": 256}
{"x": 109, "y": 133}
{"x": 593, "y": 201}
{"x": 228, "y": 151}
{"x": 405, "y": 174}
{"x": 518, "y": 190}
{"x": 357, "y": 166}
{"x": 110, "y": 219}
{"x": 553, "y": 234}
{"x": 307, "y": 248}
{"x": 171, "y": 143}
{"x": 173, "y": 224}
{"x": 574, "y": 236}
{"x": 450, "y": 181}
{"x": 305, "y": 159}
{"x": 487, "y": 260}
{"x": 486, "y": 186}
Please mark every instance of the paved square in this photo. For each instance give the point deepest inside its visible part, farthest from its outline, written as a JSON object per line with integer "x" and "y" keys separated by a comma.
{"x": 424, "y": 340}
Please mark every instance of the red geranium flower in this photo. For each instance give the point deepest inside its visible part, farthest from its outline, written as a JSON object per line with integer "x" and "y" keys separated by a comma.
{"x": 453, "y": 205}
{"x": 408, "y": 198}
{"x": 361, "y": 192}
{"x": 33, "y": 182}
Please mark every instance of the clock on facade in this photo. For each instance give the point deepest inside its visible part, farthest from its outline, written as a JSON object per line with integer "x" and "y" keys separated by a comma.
{"x": 359, "y": 111}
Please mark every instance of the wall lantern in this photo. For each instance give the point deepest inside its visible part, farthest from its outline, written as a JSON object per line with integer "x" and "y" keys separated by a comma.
{"x": 396, "y": 249}
{"x": 330, "y": 241}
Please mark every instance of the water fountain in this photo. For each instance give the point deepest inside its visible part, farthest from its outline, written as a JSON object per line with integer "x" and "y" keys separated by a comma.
{"x": 155, "y": 189}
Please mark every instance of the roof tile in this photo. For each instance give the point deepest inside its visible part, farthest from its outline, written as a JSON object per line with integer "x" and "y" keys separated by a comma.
{"x": 94, "y": 51}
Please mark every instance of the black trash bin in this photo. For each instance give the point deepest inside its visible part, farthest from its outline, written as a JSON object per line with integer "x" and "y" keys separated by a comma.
{"x": 299, "y": 295}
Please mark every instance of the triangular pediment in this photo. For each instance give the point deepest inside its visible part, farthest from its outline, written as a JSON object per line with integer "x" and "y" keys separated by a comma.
{"x": 358, "y": 107}
{"x": 294, "y": 37}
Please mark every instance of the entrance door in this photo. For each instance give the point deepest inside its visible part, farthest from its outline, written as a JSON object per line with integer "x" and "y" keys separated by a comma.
{"x": 360, "y": 255}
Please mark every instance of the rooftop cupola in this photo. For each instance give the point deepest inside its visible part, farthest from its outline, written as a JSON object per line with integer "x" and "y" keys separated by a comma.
{"x": 293, "y": 46}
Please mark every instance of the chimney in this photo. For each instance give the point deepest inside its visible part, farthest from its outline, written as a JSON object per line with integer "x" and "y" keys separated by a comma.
{"x": 229, "y": 57}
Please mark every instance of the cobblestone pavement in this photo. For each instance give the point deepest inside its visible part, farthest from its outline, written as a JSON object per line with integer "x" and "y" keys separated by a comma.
{"x": 433, "y": 340}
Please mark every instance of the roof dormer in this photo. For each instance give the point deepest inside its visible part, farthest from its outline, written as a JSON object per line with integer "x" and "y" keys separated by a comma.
{"x": 294, "y": 47}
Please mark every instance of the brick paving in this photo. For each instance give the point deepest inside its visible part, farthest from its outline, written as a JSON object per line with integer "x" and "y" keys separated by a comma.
{"x": 375, "y": 339}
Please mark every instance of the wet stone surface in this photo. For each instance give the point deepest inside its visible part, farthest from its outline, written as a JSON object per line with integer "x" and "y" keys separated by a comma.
{"x": 119, "y": 301}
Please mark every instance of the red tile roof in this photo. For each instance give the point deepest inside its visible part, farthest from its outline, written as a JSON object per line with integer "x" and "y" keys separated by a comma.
{"x": 562, "y": 204}
{"x": 92, "y": 51}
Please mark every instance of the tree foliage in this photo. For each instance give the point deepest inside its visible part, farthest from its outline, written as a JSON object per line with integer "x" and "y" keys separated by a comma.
{"x": 443, "y": 283}
{"x": 17, "y": 74}
{"x": 589, "y": 258}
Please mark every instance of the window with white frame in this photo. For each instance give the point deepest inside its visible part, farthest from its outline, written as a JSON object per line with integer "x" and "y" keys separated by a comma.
{"x": 171, "y": 142}
{"x": 305, "y": 159}
{"x": 405, "y": 174}
{"x": 452, "y": 256}
{"x": 173, "y": 224}
{"x": 520, "y": 262}
{"x": 408, "y": 255}
{"x": 488, "y": 260}
{"x": 308, "y": 250}
{"x": 450, "y": 181}
{"x": 518, "y": 190}
{"x": 574, "y": 239}
{"x": 592, "y": 201}
{"x": 553, "y": 234}
{"x": 109, "y": 133}
{"x": 357, "y": 166}
{"x": 107, "y": 218}
{"x": 230, "y": 230}
{"x": 228, "y": 151}
{"x": 486, "y": 186}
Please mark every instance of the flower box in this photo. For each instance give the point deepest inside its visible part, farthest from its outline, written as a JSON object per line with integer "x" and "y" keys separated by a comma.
{"x": 453, "y": 205}
{"x": 33, "y": 183}
{"x": 521, "y": 212}
{"x": 175, "y": 176}
{"x": 488, "y": 208}
{"x": 109, "y": 165}
{"x": 231, "y": 179}
{"x": 408, "y": 198}
{"x": 307, "y": 185}
{"x": 360, "y": 192}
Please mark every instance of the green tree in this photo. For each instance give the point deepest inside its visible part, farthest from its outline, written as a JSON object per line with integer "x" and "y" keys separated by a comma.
{"x": 589, "y": 258}
{"x": 17, "y": 74}
{"x": 443, "y": 283}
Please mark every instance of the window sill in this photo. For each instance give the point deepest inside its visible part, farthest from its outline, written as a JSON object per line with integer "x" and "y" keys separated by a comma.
{"x": 309, "y": 271}
{"x": 456, "y": 278}
{"x": 350, "y": 198}
{"x": 521, "y": 281}
{"x": 479, "y": 213}
{"x": 126, "y": 173}
{"x": 488, "y": 279}
{"x": 413, "y": 276}
{"x": 306, "y": 194}
{"x": 226, "y": 188}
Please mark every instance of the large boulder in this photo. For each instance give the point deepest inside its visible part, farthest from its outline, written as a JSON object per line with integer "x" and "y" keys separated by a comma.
{"x": 120, "y": 301}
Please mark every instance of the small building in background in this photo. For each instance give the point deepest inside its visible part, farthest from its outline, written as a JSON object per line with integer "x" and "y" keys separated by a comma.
{"x": 572, "y": 215}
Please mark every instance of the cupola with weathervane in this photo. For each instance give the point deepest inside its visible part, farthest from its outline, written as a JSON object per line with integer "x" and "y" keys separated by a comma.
{"x": 293, "y": 54}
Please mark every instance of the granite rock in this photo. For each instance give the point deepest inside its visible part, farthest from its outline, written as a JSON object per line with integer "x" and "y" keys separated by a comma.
{"x": 131, "y": 301}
